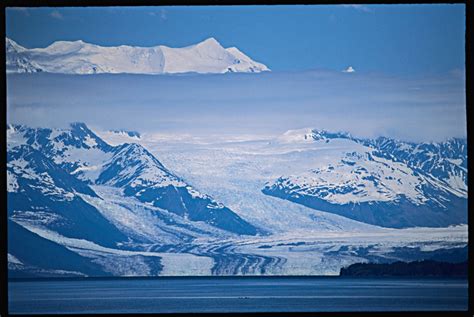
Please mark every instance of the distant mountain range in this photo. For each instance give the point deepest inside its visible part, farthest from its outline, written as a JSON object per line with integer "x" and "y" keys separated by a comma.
{"x": 78, "y": 57}
{"x": 383, "y": 182}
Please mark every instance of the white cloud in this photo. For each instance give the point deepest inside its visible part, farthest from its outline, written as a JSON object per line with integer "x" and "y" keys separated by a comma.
{"x": 358, "y": 7}
{"x": 459, "y": 73}
{"x": 19, "y": 9}
{"x": 57, "y": 15}
{"x": 349, "y": 69}
{"x": 162, "y": 14}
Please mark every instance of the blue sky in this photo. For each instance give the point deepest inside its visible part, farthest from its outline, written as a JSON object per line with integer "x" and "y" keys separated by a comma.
{"x": 389, "y": 39}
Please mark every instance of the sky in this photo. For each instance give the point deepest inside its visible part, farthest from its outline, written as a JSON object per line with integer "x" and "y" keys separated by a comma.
{"x": 407, "y": 82}
{"x": 389, "y": 39}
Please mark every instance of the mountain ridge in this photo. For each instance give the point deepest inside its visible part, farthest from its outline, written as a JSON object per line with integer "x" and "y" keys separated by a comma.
{"x": 79, "y": 57}
{"x": 386, "y": 182}
{"x": 85, "y": 158}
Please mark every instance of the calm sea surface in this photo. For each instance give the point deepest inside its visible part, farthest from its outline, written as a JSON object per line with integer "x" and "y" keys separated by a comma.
{"x": 276, "y": 294}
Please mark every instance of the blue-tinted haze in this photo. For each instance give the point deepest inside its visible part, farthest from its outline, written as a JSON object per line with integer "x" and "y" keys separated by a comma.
{"x": 409, "y": 108}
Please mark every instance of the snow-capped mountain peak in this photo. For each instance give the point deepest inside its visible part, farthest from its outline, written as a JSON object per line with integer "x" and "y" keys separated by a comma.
{"x": 17, "y": 60}
{"x": 236, "y": 52}
{"x": 63, "y": 47}
{"x": 311, "y": 135}
{"x": 78, "y": 150}
{"x": 119, "y": 136}
{"x": 88, "y": 139}
{"x": 131, "y": 134}
{"x": 210, "y": 43}
{"x": 79, "y": 57}
{"x": 324, "y": 135}
{"x": 297, "y": 135}
{"x": 11, "y": 45}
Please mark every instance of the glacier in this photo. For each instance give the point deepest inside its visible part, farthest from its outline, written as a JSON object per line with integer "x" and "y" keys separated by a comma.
{"x": 111, "y": 203}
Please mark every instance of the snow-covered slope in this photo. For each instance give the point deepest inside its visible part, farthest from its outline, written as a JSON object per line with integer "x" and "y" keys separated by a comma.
{"x": 445, "y": 161}
{"x": 30, "y": 255}
{"x": 141, "y": 175}
{"x": 18, "y": 60}
{"x": 78, "y": 57}
{"x": 77, "y": 150}
{"x": 81, "y": 153}
{"x": 42, "y": 193}
{"x": 383, "y": 181}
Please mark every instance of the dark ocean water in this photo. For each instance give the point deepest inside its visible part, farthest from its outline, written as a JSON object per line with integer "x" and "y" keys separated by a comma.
{"x": 274, "y": 294}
